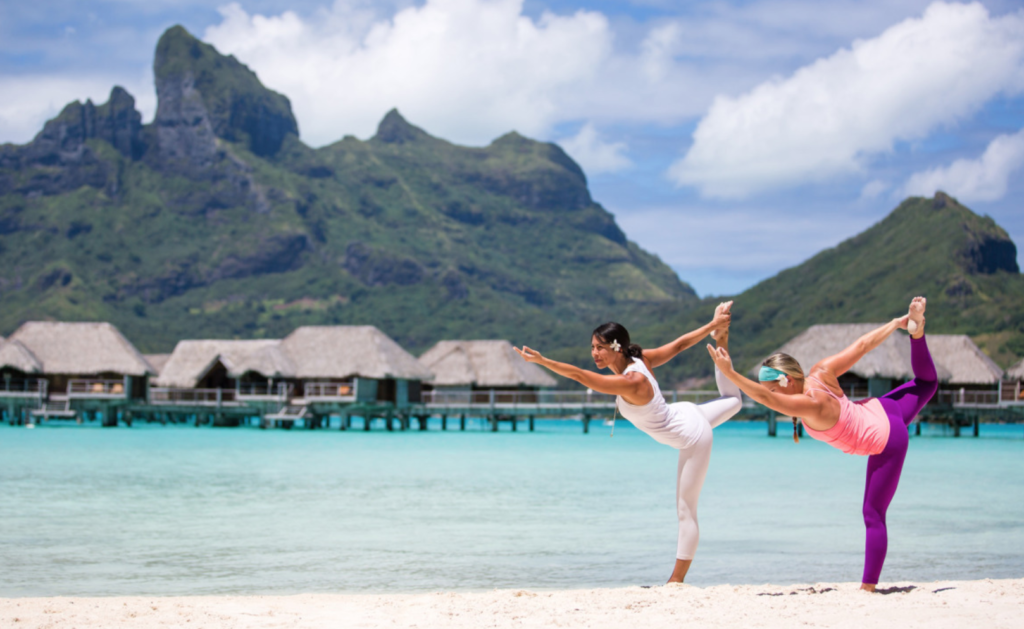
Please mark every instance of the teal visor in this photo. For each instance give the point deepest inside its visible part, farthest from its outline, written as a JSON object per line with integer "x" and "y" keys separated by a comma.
{"x": 768, "y": 374}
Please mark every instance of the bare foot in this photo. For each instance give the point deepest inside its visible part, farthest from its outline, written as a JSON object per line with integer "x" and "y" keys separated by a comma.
{"x": 722, "y": 308}
{"x": 867, "y": 587}
{"x": 915, "y": 324}
{"x": 679, "y": 572}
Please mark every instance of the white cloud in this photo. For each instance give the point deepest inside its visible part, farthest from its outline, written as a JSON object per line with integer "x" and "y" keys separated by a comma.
{"x": 969, "y": 180}
{"x": 829, "y": 117}
{"x": 593, "y": 154}
{"x": 40, "y": 98}
{"x": 873, "y": 188}
{"x": 467, "y": 70}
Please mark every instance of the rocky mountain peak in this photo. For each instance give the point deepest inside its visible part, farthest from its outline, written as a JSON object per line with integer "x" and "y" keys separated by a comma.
{"x": 203, "y": 95}
{"x": 394, "y": 129}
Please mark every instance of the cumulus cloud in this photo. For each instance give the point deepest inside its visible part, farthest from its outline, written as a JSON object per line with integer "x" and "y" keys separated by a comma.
{"x": 593, "y": 154}
{"x": 969, "y": 180}
{"x": 467, "y": 70}
{"x": 829, "y": 117}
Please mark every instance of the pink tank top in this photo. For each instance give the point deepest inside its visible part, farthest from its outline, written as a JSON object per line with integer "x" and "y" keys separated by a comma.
{"x": 863, "y": 427}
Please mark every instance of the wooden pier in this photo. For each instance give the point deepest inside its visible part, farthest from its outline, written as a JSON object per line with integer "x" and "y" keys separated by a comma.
{"x": 27, "y": 403}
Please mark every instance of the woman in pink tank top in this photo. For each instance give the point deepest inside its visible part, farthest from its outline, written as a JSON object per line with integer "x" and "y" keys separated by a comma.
{"x": 876, "y": 427}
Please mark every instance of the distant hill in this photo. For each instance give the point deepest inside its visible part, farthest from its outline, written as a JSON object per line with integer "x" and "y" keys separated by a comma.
{"x": 965, "y": 264}
{"x": 215, "y": 220}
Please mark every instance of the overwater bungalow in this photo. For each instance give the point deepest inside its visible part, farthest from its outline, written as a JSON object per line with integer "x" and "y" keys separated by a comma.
{"x": 1013, "y": 391}
{"x": 482, "y": 372}
{"x": 966, "y": 374}
{"x": 218, "y": 372}
{"x": 84, "y": 367}
{"x": 352, "y": 363}
{"x": 22, "y": 387}
{"x": 313, "y": 372}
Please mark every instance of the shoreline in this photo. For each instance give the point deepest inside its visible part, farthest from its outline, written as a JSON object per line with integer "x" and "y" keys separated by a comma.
{"x": 989, "y": 602}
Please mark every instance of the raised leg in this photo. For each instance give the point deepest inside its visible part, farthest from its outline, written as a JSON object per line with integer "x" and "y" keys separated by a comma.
{"x": 911, "y": 397}
{"x": 720, "y": 410}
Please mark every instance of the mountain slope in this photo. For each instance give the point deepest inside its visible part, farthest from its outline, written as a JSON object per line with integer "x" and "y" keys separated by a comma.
{"x": 215, "y": 220}
{"x": 965, "y": 264}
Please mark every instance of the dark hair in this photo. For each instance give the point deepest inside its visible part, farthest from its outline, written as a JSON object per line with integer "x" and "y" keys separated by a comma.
{"x": 612, "y": 331}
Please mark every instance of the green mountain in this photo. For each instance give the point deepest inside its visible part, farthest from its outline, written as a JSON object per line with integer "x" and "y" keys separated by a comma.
{"x": 215, "y": 220}
{"x": 965, "y": 264}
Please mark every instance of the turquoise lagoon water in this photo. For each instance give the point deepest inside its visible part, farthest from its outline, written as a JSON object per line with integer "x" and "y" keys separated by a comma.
{"x": 183, "y": 510}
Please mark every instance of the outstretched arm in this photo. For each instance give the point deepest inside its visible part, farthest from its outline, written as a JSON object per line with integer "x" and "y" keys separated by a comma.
{"x": 661, "y": 355}
{"x": 631, "y": 386}
{"x": 842, "y": 362}
{"x": 792, "y": 405}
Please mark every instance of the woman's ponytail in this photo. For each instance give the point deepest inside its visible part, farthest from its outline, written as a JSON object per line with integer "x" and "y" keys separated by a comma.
{"x": 635, "y": 351}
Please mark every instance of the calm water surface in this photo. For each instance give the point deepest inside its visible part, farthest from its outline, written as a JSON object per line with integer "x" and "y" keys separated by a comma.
{"x": 181, "y": 510}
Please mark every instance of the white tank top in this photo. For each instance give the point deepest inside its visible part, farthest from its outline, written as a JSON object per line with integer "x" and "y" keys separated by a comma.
{"x": 676, "y": 425}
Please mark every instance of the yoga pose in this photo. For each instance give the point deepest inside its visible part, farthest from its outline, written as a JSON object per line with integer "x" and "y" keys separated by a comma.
{"x": 684, "y": 425}
{"x": 876, "y": 427}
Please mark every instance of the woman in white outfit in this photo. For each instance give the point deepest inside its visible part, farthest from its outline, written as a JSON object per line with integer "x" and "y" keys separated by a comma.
{"x": 684, "y": 426}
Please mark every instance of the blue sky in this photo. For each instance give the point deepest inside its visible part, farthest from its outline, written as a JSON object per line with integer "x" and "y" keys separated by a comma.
{"x": 733, "y": 139}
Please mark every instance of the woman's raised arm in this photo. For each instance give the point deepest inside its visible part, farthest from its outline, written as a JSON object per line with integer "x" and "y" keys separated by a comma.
{"x": 661, "y": 355}
{"x": 840, "y": 363}
{"x": 634, "y": 387}
{"x": 792, "y": 405}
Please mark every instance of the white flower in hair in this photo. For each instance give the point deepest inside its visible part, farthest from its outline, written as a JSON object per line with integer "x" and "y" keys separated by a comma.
{"x": 614, "y": 345}
{"x": 783, "y": 381}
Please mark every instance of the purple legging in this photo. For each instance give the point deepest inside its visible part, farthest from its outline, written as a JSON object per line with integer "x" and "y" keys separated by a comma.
{"x": 901, "y": 404}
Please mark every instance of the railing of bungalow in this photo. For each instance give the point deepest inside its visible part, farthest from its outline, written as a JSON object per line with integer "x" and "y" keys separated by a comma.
{"x": 345, "y": 390}
{"x": 965, "y": 397}
{"x": 855, "y": 393}
{"x": 199, "y": 397}
{"x": 581, "y": 399}
{"x": 23, "y": 387}
{"x": 85, "y": 388}
{"x": 1012, "y": 392}
{"x": 263, "y": 391}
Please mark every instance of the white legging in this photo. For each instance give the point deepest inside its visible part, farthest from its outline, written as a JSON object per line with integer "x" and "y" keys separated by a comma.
{"x": 694, "y": 461}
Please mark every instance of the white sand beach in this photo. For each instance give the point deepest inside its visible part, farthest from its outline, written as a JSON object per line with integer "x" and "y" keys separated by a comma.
{"x": 985, "y": 603}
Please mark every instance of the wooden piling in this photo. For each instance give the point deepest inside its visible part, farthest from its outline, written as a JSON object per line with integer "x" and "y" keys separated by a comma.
{"x": 444, "y": 422}
{"x": 586, "y": 424}
{"x": 531, "y": 423}
{"x": 462, "y": 421}
{"x": 772, "y": 427}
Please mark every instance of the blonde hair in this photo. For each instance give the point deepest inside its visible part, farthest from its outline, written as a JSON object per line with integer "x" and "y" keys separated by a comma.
{"x": 789, "y": 366}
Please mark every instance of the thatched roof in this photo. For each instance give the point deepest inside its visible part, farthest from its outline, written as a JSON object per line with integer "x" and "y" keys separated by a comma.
{"x": 957, "y": 359}
{"x": 964, "y": 360}
{"x": 157, "y": 361}
{"x": 482, "y": 363}
{"x": 1016, "y": 372}
{"x": 80, "y": 349}
{"x": 16, "y": 356}
{"x": 192, "y": 360}
{"x": 344, "y": 351}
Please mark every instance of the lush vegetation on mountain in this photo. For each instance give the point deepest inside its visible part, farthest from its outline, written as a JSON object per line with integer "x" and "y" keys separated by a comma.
{"x": 215, "y": 220}
{"x": 965, "y": 264}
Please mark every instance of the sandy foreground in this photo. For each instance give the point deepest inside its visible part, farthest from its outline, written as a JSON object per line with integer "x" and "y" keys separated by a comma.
{"x": 988, "y": 603}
